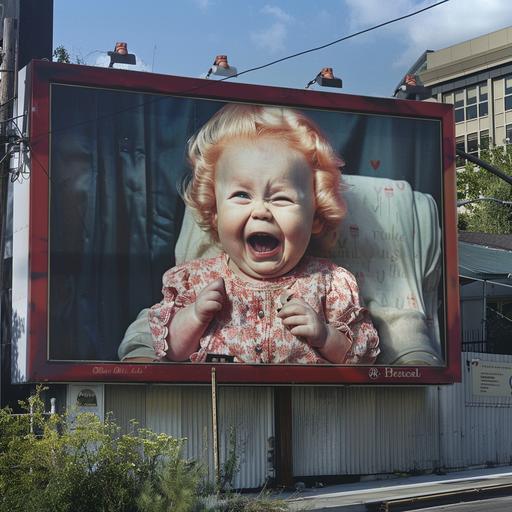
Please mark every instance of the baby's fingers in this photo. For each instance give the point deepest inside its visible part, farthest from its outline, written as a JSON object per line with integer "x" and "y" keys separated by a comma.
{"x": 217, "y": 285}
{"x": 215, "y": 291}
{"x": 295, "y": 320}
{"x": 210, "y": 300}
{"x": 294, "y": 307}
{"x": 211, "y": 305}
{"x": 212, "y": 296}
{"x": 304, "y": 332}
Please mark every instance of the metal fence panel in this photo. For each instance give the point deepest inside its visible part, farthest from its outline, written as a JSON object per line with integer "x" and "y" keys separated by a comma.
{"x": 126, "y": 403}
{"x": 475, "y": 430}
{"x": 363, "y": 430}
{"x": 245, "y": 417}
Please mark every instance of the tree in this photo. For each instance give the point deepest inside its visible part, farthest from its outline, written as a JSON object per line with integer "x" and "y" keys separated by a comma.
{"x": 60, "y": 54}
{"x": 474, "y": 182}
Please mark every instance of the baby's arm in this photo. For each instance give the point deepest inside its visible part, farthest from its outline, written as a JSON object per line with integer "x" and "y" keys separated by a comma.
{"x": 304, "y": 322}
{"x": 189, "y": 323}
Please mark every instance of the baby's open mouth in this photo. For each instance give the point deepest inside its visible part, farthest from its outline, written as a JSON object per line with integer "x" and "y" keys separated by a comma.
{"x": 262, "y": 242}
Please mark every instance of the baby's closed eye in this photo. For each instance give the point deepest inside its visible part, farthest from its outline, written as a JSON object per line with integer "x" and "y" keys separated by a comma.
{"x": 282, "y": 200}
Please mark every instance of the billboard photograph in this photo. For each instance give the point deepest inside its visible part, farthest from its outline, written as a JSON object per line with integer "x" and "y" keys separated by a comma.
{"x": 282, "y": 236}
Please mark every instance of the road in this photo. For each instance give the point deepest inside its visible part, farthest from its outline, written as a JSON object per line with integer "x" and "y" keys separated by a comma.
{"x": 503, "y": 504}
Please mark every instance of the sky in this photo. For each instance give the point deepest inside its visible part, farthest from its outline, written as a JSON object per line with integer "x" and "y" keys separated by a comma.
{"x": 182, "y": 37}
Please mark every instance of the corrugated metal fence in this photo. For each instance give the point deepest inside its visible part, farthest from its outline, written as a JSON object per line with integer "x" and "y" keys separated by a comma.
{"x": 185, "y": 412}
{"x": 364, "y": 431}
{"x": 336, "y": 430}
{"x": 475, "y": 430}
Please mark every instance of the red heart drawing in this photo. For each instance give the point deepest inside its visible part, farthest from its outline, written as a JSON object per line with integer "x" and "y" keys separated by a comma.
{"x": 375, "y": 164}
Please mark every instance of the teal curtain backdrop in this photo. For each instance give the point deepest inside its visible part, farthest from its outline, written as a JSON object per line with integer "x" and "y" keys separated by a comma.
{"x": 116, "y": 166}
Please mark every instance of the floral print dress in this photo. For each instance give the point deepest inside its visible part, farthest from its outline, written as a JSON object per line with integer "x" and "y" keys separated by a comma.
{"x": 248, "y": 328}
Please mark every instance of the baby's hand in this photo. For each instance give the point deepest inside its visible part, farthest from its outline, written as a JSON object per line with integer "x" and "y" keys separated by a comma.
{"x": 210, "y": 301}
{"x": 304, "y": 322}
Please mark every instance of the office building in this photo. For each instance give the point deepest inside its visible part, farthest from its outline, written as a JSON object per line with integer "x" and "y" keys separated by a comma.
{"x": 476, "y": 77}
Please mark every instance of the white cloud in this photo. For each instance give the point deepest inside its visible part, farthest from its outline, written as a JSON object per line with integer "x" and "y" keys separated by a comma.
{"x": 273, "y": 37}
{"x": 203, "y": 5}
{"x": 447, "y": 24}
{"x": 277, "y": 12}
{"x": 103, "y": 61}
{"x": 365, "y": 13}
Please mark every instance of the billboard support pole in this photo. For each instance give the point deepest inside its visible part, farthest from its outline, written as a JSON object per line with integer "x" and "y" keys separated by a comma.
{"x": 215, "y": 428}
{"x": 283, "y": 435}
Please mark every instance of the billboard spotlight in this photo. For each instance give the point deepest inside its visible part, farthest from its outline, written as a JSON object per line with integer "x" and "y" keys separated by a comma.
{"x": 120, "y": 55}
{"x": 326, "y": 78}
{"x": 221, "y": 67}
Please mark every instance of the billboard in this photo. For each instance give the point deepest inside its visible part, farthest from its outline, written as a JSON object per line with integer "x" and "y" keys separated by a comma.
{"x": 283, "y": 236}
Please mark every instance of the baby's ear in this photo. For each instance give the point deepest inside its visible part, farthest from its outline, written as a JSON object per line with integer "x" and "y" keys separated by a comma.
{"x": 318, "y": 225}
{"x": 214, "y": 221}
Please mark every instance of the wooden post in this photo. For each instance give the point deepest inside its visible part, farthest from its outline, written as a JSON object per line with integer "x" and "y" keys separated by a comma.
{"x": 7, "y": 76}
{"x": 7, "y": 69}
{"x": 6, "y": 102}
{"x": 283, "y": 433}
{"x": 215, "y": 426}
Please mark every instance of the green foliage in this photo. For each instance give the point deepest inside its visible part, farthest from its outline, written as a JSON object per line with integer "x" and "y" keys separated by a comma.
{"x": 174, "y": 488}
{"x": 235, "y": 502}
{"x": 60, "y": 54}
{"x": 50, "y": 463}
{"x": 474, "y": 182}
{"x": 231, "y": 464}
{"x": 67, "y": 463}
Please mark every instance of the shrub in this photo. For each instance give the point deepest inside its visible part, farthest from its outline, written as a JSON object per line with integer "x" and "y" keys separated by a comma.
{"x": 61, "y": 463}
{"x": 50, "y": 463}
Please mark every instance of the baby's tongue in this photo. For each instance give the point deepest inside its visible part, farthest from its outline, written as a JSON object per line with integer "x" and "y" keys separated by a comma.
{"x": 263, "y": 243}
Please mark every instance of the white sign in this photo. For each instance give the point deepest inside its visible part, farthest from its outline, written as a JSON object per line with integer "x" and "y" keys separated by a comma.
{"x": 87, "y": 397}
{"x": 490, "y": 378}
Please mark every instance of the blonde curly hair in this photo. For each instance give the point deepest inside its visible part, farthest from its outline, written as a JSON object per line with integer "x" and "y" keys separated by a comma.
{"x": 251, "y": 121}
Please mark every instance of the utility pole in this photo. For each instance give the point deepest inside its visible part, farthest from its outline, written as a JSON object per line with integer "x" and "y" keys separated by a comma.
{"x": 6, "y": 109}
{"x": 7, "y": 80}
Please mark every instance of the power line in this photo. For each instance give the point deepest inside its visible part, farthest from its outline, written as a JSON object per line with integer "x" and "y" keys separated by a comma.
{"x": 341, "y": 39}
{"x": 8, "y": 101}
{"x": 11, "y": 118}
{"x": 212, "y": 83}
{"x": 203, "y": 85}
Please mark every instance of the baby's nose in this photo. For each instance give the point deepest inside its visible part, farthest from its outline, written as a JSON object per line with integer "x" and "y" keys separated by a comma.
{"x": 261, "y": 210}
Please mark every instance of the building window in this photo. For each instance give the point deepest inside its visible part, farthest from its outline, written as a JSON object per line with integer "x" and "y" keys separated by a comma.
{"x": 448, "y": 97}
{"x": 459, "y": 106}
{"x": 459, "y": 144}
{"x": 470, "y": 103}
{"x": 473, "y": 144}
{"x": 508, "y": 93}
{"x": 471, "y": 106}
{"x": 508, "y": 134}
{"x": 484, "y": 140}
{"x": 483, "y": 107}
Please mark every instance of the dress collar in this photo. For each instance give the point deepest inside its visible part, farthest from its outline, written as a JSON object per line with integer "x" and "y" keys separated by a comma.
{"x": 269, "y": 284}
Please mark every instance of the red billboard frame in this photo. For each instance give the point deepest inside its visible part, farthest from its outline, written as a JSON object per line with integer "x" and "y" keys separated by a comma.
{"x": 39, "y": 368}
